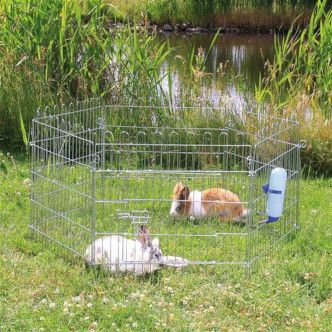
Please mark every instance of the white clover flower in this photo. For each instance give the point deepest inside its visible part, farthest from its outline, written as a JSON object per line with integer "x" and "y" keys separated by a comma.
{"x": 211, "y": 309}
{"x": 94, "y": 325}
{"x": 52, "y": 305}
{"x": 76, "y": 298}
{"x": 27, "y": 182}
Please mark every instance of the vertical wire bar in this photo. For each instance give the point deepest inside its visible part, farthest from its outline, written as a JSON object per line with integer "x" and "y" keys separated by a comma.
{"x": 102, "y": 167}
{"x": 92, "y": 159}
{"x": 298, "y": 178}
{"x": 249, "y": 228}
{"x": 34, "y": 138}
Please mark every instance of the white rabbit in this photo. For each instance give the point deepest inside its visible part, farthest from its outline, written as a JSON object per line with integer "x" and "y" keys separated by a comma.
{"x": 118, "y": 254}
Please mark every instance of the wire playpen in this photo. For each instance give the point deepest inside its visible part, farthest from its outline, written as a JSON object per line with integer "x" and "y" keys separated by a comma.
{"x": 100, "y": 170}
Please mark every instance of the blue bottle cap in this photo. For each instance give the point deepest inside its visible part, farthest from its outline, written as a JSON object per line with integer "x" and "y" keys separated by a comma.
{"x": 272, "y": 219}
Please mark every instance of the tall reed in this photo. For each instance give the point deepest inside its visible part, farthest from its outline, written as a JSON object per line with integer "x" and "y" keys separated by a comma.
{"x": 300, "y": 81}
{"x": 251, "y": 14}
{"x": 55, "y": 51}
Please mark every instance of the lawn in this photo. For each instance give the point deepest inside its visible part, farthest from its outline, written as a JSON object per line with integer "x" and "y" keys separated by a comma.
{"x": 44, "y": 288}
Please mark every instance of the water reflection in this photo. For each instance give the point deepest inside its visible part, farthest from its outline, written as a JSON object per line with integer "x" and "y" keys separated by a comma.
{"x": 242, "y": 58}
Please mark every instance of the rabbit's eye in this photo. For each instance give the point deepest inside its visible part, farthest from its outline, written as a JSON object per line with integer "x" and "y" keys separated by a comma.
{"x": 178, "y": 208}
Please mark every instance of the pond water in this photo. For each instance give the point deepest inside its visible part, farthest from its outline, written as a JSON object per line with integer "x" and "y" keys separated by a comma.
{"x": 234, "y": 62}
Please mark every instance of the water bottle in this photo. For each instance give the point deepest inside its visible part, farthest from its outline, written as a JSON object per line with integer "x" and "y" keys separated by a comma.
{"x": 275, "y": 193}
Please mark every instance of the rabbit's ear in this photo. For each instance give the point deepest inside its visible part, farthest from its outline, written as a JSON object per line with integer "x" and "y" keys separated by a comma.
{"x": 155, "y": 243}
{"x": 178, "y": 188}
{"x": 184, "y": 193}
{"x": 144, "y": 237}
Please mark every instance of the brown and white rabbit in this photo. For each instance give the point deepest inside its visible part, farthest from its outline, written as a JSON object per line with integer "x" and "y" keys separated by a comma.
{"x": 118, "y": 254}
{"x": 214, "y": 202}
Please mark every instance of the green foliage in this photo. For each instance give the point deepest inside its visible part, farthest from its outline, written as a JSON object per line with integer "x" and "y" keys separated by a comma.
{"x": 24, "y": 132}
{"x": 317, "y": 157}
{"x": 56, "y": 51}
{"x": 57, "y": 42}
{"x": 302, "y": 64}
{"x": 210, "y": 13}
{"x": 300, "y": 81}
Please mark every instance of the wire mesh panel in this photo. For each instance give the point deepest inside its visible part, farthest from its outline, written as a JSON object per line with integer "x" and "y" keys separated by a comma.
{"x": 108, "y": 179}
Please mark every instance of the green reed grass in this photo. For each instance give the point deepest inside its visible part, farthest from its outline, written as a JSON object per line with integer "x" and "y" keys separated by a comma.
{"x": 300, "y": 81}
{"x": 241, "y": 13}
{"x": 55, "y": 52}
{"x": 303, "y": 63}
{"x": 52, "y": 52}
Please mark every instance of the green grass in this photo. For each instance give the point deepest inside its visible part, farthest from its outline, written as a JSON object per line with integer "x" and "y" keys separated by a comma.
{"x": 44, "y": 288}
